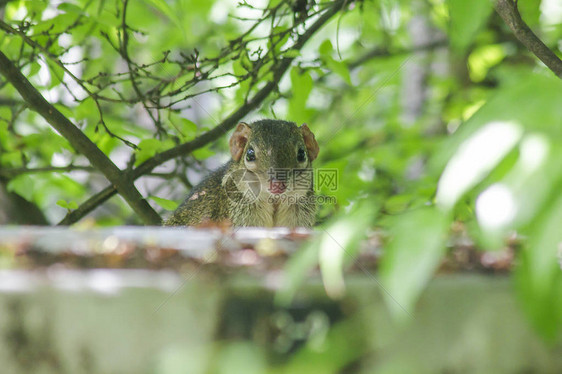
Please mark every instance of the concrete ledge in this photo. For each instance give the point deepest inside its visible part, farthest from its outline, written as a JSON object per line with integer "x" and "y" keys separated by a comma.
{"x": 136, "y": 321}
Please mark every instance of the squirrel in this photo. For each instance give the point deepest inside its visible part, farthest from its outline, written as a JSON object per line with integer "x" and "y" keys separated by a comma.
{"x": 268, "y": 182}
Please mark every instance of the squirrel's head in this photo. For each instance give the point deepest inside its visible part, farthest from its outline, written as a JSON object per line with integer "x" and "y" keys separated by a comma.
{"x": 275, "y": 150}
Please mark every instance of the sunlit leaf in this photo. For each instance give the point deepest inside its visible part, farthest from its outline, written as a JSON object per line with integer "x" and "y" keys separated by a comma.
{"x": 476, "y": 157}
{"x": 482, "y": 59}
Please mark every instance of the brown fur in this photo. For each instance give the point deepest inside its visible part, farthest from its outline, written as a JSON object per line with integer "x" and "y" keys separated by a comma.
{"x": 238, "y": 191}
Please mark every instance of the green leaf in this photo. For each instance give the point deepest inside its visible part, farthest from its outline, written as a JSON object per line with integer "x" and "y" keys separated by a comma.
{"x": 164, "y": 203}
{"x": 530, "y": 11}
{"x": 415, "y": 249}
{"x": 539, "y": 277}
{"x": 337, "y": 245}
{"x": 301, "y": 86}
{"x": 70, "y": 205}
{"x": 146, "y": 149}
{"x": 475, "y": 159}
{"x": 340, "y": 68}
{"x": 203, "y": 153}
{"x": 11, "y": 159}
{"x": 35, "y": 7}
{"x": 34, "y": 68}
{"x": 56, "y": 72}
{"x": 186, "y": 129}
{"x": 484, "y": 58}
{"x": 534, "y": 178}
{"x": 297, "y": 270}
{"x": 273, "y": 3}
{"x": 165, "y": 8}
{"x": 326, "y": 48}
{"x": 62, "y": 203}
{"x": 397, "y": 203}
{"x": 466, "y": 20}
{"x": 23, "y": 185}
{"x": 292, "y": 53}
{"x": 71, "y": 8}
{"x": 64, "y": 110}
{"x": 528, "y": 104}
{"x": 86, "y": 109}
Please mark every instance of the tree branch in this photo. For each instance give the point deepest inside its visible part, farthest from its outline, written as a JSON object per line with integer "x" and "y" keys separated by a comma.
{"x": 88, "y": 206}
{"x": 507, "y": 9}
{"x": 206, "y": 138}
{"x": 80, "y": 142}
{"x": 385, "y": 52}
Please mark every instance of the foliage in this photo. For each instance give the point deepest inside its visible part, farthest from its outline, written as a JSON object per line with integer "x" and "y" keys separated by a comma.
{"x": 432, "y": 113}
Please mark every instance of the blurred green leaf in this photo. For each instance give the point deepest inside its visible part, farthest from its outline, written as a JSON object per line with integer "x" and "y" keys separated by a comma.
{"x": 296, "y": 270}
{"x": 539, "y": 275}
{"x": 167, "y": 10}
{"x": 528, "y": 104}
{"x": 86, "y": 109}
{"x": 301, "y": 83}
{"x": 340, "y": 68}
{"x": 326, "y": 48}
{"x": 339, "y": 244}
{"x": 343, "y": 345}
{"x": 417, "y": 244}
{"x": 484, "y": 58}
{"x": 530, "y": 11}
{"x": 62, "y": 203}
{"x": 23, "y": 185}
{"x": 241, "y": 357}
{"x": 474, "y": 159}
{"x": 466, "y": 19}
{"x": 67, "y": 205}
{"x": 71, "y": 8}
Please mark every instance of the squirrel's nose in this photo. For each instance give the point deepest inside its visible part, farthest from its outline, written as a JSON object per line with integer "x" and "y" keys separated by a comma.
{"x": 277, "y": 186}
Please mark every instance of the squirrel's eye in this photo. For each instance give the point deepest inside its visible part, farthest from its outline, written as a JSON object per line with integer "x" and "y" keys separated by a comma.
{"x": 251, "y": 155}
{"x": 301, "y": 155}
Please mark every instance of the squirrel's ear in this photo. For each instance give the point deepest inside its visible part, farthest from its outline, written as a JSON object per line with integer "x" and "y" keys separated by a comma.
{"x": 309, "y": 142}
{"x": 239, "y": 139}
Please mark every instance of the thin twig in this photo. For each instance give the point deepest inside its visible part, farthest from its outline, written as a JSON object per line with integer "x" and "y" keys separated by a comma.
{"x": 215, "y": 133}
{"x": 507, "y": 9}
{"x": 78, "y": 140}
